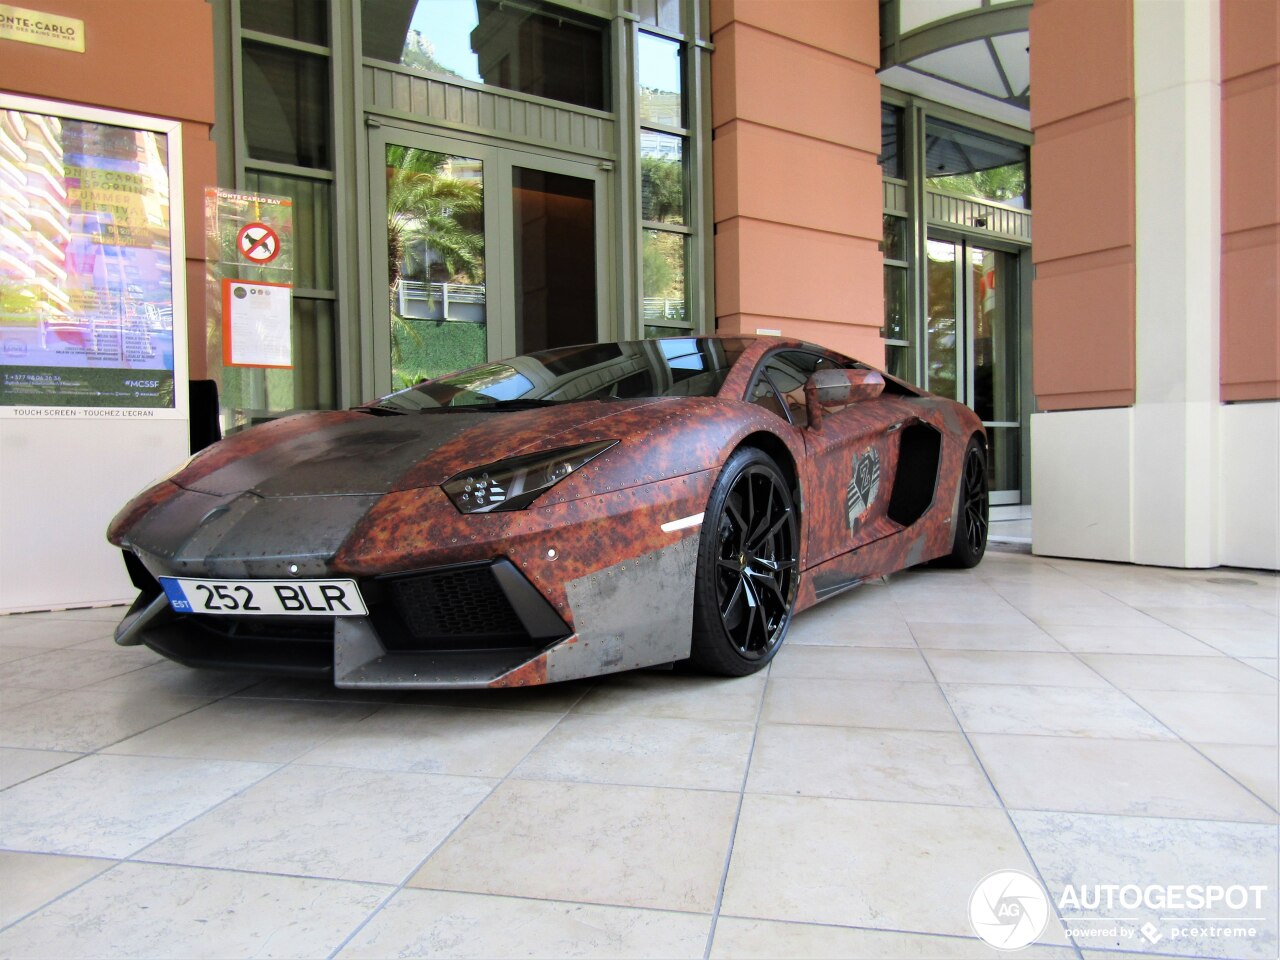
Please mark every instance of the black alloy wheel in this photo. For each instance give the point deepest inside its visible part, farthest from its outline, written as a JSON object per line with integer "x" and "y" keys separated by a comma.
{"x": 748, "y": 567}
{"x": 972, "y": 519}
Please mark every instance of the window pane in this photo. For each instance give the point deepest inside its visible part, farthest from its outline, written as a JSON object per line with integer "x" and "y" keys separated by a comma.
{"x": 897, "y": 361}
{"x": 662, "y": 192}
{"x": 895, "y": 303}
{"x": 661, "y": 72}
{"x": 942, "y": 328}
{"x": 975, "y": 164}
{"x": 286, "y": 105}
{"x": 297, "y": 19}
{"x": 660, "y": 13}
{"x": 310, "y": 385}
{"x": 994, "y": 288}
{"x": 894, "y": 243}
{"x": 529, "y": 47}
{"x": 891, "y": 141}
{"x": 312, "y": 225}
{"x": 1004, "y": 458}
{"x": 436, "y": 253}
{"x": 555, "y": 254}
{"x": 664, "y": 273}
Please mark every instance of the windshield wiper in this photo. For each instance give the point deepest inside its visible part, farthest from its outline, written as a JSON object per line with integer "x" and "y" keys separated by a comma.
{"x": 526, "y": 403}
{"x": 382, "y": 410}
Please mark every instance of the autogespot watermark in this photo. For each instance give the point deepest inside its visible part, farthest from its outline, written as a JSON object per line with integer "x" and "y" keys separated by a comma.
{"x": 1010, "y": 910}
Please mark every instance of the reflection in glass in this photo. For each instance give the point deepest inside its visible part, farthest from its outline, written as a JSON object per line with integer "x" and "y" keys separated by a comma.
{"x": 893, "y": 244}
{"x": 1004, "y": 458}
{"x": 436, "y": 262}
{"x": 555, "y": 254}
{"x": 662, "y": 191}
{"x": 660, "y": 80}
{"x": 975, "y": 164}
{"x": 295, "y": 19}
{"x": 659, "y": 13}
{"x": 897, "y": 362}
{"x": 993, "y": 289}
{"x": 895, "y": 304}
{"x": 686, "y": 367}
{"x": 529, "y": 46}
{"x": 286, "y": 105}
{"x": 664, "y": 276}
{"x": 891, "y": 141}
{"x": 942, "y": 329}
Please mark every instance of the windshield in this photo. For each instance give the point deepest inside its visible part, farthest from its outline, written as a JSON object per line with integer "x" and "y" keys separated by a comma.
{"x": 673, "y": 367}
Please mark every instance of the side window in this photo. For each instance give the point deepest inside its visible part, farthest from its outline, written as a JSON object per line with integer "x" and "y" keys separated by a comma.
{"x": 765, "y": 396}
{"x": 789, "y": 371}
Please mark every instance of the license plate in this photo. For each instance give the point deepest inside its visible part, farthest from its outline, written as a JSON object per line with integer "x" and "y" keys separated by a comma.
{"x": 288, "y": 598}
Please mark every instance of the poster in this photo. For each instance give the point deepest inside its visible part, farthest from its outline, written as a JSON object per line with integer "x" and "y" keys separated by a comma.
{"x": 86, "y": 264}
{"x": 257, "y": 329}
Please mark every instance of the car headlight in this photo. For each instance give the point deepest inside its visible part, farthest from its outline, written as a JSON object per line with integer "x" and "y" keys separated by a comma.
{"x": 515, "y": 483}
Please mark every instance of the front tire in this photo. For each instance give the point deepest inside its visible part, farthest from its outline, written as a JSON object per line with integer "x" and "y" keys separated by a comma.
{"x": 748, "y": 567}
{"x": 972, "y": 520}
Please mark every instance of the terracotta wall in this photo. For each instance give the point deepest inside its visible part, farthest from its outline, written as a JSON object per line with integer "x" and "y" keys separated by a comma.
{"x": 152, "y": 57}
{"x": 1250, "y": 200}
{"x": 798, "y": 200}
{"x": 1082, "y": 169}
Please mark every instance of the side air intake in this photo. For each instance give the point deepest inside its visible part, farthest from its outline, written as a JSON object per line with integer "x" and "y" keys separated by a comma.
{"x": 917, "y": 474}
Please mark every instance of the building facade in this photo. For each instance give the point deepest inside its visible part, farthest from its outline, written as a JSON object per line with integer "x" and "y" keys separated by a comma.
{"x": 470, "y": 179}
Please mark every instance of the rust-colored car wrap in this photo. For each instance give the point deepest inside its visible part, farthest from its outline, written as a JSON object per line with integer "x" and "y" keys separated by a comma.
{"x": 597, "y": 573}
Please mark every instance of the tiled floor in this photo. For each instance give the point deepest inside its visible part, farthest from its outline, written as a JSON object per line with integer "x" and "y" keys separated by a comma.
{"x": 1084, "y": 723}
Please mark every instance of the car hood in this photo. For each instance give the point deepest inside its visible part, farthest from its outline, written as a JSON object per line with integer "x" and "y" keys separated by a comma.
{"x": 357, "y": 453}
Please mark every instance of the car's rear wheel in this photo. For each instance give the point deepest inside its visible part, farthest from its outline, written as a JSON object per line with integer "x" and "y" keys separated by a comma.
{"x": 970, "y": 538}
{"x": 748, "y": 567}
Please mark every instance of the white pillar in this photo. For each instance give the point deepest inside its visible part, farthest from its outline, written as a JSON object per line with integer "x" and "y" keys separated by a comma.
{"x": 1177, "y": 152}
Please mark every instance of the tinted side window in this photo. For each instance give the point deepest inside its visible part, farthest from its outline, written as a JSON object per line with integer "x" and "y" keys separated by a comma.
{"x": 763, "y": 395}
{"x": 789, "y": 371}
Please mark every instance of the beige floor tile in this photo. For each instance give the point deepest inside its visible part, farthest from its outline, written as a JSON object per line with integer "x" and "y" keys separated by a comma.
{"x": 17, "y": 696}
{"x": 1217, "y": 674}
{"x": 30, "y": 880}
{"x": 1022, "y": 668}
{"x": 1258, "y": 768}
{"x": 970, "y": 611}
{"x": 1215, "y": 717}
{"x": 141, "y": 910}
{"x": 859, "y": 862}
{"x": 1088, "y": 614}
{"x": 1159, "y": 640}
{"x": 178, "y": 681}
{"x": 549, "y": 698}
{"x": 982, "y": 636}
{"x": 1085, "y": 849}
{"x": 84, "y": 720}
{"x": 1237, "y": 641}
{"x": 452, "y": 740}
{"x": 1139, "y": 778}
{"x": 28, "y": 630}
{"x": 1269, "y": 666}
{"x": 8, "y": 654}
{"x": 860, "y": 764}
{"x": 644, "y": 752}
{"x": 741, "y": 939}
{"x": 332, "y": 822}
{"x": 1235, "y": 617}
{"x": 852, "y": 703}
{"x": 270, "y": 731}
{"x": 69, "y": 669}
{"x": 820, "y": 627}
{"x": 645, "y": 693}
{"x": 18, "y": 765}
{"x": 628, "y": 846}
{"x": 845, "y": 663}
{"x": 1051, "y": 711}
{"x": 103, "y": 806}
{"x": 468, "y": 926}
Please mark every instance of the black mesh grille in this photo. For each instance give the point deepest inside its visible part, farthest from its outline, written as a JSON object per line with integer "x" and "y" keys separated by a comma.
{"x": 304, "y": 629}
{"x": 465, "y": 602}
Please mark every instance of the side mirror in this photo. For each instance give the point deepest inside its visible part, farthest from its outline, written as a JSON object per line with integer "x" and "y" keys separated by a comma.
{"x": 830, "y": 390}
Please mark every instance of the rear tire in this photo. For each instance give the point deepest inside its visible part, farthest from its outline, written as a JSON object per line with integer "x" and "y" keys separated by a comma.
{"x": 972, "y": 519}
{"x": 748, "y": 567}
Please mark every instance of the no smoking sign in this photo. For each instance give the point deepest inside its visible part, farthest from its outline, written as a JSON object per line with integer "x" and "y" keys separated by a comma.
{"x": 258, "y": 243}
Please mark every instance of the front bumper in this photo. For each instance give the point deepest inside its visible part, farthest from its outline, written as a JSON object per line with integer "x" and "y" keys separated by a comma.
{"x": 533, "y": 613}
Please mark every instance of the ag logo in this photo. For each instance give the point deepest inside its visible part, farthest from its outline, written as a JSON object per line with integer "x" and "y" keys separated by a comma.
{"x": 1008, "y": 909}
{"x": 863, "y": 487}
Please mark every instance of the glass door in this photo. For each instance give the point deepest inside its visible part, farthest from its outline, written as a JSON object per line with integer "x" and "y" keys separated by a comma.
{"x": 972, "y": 346}
{"x": 489, "y": 252}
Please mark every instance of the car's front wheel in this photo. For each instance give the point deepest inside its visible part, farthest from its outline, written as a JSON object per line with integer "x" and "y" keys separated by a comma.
{"x": 970, "y": 537}
{"x": 748, "y": 567}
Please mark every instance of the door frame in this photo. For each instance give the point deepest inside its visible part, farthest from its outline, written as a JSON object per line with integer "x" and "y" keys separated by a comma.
{"x": 1020, "y": 253}
{"x": 498, "y": 159}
